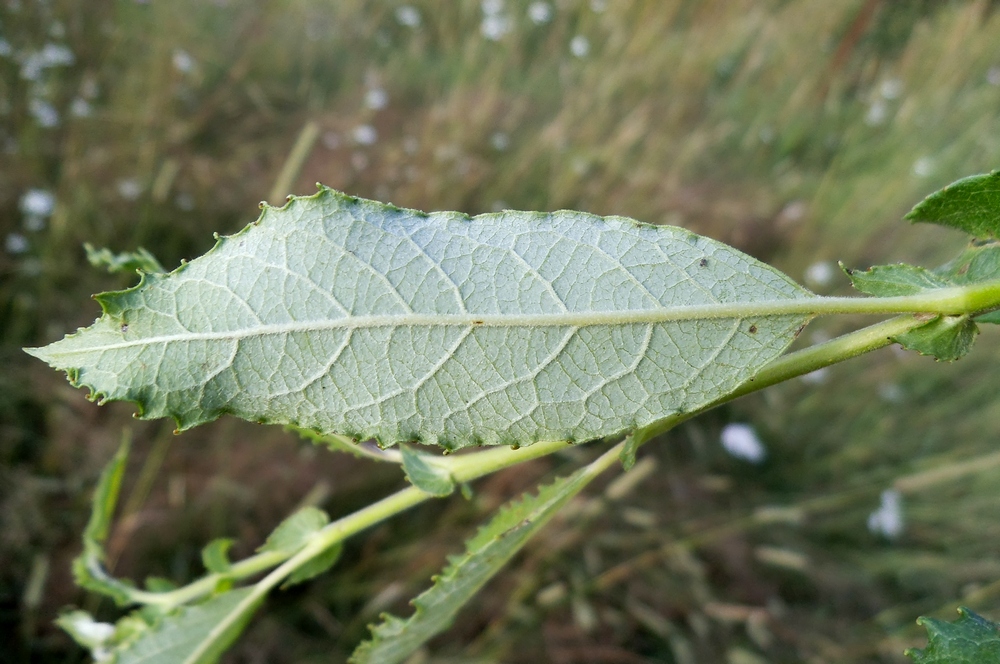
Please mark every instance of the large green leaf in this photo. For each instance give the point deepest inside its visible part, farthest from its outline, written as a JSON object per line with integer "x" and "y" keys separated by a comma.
{"x": 343, "y": 315}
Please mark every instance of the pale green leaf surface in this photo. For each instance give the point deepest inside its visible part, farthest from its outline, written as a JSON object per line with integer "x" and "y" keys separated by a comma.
{"x": 971, "y": 639}
{"x": 394, "y": 639}
{"x": 424, "y": 474}
{"x": 295, "y": 532}
{"x": 187, "y": 636}
{"x": 343, "y": 315}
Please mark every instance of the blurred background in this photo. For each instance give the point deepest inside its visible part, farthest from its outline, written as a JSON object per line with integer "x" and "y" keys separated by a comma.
{"x": 811, "y": 523}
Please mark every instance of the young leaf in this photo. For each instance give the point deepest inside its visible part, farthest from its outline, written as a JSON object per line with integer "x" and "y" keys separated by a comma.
{"x": 128, "y": 261}
{"x": 394, "y": 639}
{"x": 88, "y": 567}
{"x": 946, "y": 338}
{"x": 424, "y": 474}
{"x": 315, "y": 566}
{"x": 893, "y": 280}
{"x": 343, "y": 315}
{"x": 971, "y": 204}
{"x": 295, "y": 532}
{"x": 215, "y": 555}
{"x": 971, "y": 639}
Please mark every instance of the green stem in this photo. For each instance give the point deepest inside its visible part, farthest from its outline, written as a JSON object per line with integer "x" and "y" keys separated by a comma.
{"x": 468, "y": 467}
{"x": 402, "y": 500}
{"x": 797, "y": 364}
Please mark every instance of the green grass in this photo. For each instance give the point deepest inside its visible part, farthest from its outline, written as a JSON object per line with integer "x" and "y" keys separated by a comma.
{"x": 799, "y": 131}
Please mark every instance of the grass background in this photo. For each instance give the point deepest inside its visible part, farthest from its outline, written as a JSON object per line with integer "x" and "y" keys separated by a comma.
{"x": 798, "y": 131}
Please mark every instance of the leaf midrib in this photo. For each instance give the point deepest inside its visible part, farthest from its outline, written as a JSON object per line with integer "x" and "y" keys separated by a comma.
{"x": 560, "y": 319}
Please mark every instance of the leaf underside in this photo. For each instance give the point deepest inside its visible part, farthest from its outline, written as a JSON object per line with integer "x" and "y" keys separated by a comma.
{"x": 971, "y": 639}
{"x": 394, "y": 639}
{"x": 343, "y": 315}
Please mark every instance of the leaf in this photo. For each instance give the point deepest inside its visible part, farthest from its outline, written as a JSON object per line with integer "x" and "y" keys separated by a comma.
{"x": 971, "y": 639}
{"x": 215, "y": 555}
{"x": 86, "y": 631}
{"x": 315, "y": 566}
{"x": 394, "y": 639}
{"x": 424, "y": 474}
{"x": 88, "y": 567}
{"x": 894, "y": 280}
{"x": 295, "y": 532}
{"x": 188, "y": 635}
{"x": 946, "y": 338}
{"x": 128, "y": 261}
{"x": 971, "y": 204}
{"x": 343, "y": 315}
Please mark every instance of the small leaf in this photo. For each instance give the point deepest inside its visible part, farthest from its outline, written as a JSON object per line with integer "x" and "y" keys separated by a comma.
{"x": 86, "y": 631}
{"x": 128, "y": 261}
{"x": 188, "y": 635}
{"x": 894, "y": 280}
{"x": 295, "y": 532}
{"x": 946, "y": 338}
{"x": 971, "y": 639}
{"x": 971, "y": 204}
{"x": 486, "y": 553}
{"x": 315, "y": 566}
{"x": 215, "y": 556}
{"x": 629, "y": 451}
{"x": 424, "y": 474}
{"x": 88, "y": 569}
{"x": 347, "y": 316}
{"x": 159, "y": 584}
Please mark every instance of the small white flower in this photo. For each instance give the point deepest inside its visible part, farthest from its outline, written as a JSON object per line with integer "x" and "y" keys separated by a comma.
{"x": 80, "y": 107}
{"x": 891, "y": 88}
{"x": 820, "y": 273}
{"x": 877, "y": 113}
{"x": 38, "y": 203}
{"x": 376, "y": 99}
{"x": 495, "y": 26}
{"x": 500, "y": 141}
{"x": 45, "y": 114}
{"x": 365, "y": 135}
{"x": 491, "y": 7}
{"x": 923, "y": 167}
{"x": 579, "y": 46}
{"x": 887, "y": 520}
{"x": 993, "y": 76}
{"x": 16, "y": 243}
{"x": 742, "y": 442}
{"x": 540, "y": 12}
{"x": 409, "y": 16}
{"x": 183, "y": 62}
{"x": 129, "y": 188}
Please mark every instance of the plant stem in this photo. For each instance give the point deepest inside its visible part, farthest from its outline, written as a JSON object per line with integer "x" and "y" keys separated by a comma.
{"x": 468, "y": 467}
{"x": 797, "y": 364}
